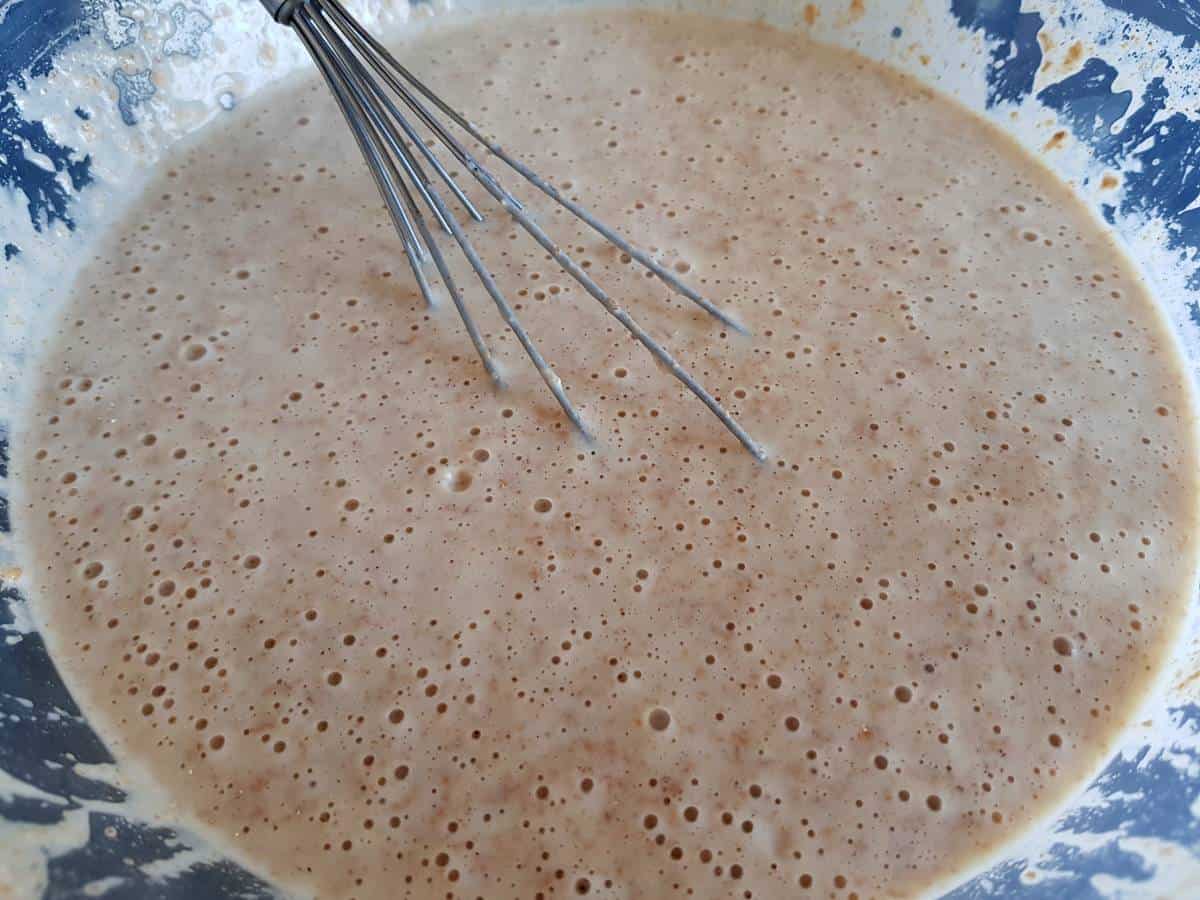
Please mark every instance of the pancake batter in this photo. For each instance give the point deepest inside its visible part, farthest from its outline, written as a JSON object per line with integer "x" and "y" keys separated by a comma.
{"x": 389, "y": 633}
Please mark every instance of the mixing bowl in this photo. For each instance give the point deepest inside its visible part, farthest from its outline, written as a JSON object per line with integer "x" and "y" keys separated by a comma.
{"x": 1107, "y": 92}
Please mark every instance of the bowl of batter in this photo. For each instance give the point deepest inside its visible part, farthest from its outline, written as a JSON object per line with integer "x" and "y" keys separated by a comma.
{"x": 298, "y": 604}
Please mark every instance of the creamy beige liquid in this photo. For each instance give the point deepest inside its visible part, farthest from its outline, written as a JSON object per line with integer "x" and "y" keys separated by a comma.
{"x": 393, "y": 634}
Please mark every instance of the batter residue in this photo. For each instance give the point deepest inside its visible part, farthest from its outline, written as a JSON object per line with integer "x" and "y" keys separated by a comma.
{"x": 392, "y": 634}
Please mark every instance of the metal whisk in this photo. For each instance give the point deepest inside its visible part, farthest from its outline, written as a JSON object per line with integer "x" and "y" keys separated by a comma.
{"x": 360, "y": 71}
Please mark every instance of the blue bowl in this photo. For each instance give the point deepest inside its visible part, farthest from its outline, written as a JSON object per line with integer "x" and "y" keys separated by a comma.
{"x": 1107, "y": 92}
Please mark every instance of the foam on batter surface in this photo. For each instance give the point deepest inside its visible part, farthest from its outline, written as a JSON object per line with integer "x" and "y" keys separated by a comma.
{"x": 391, "y": 633}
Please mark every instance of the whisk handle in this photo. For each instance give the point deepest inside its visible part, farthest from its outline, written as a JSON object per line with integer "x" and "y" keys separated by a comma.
{"x": 281, "y": 10}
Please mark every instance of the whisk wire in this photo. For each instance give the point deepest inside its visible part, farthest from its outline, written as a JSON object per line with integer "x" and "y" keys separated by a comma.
{"x": 340, "y": 46}
{"x": 481, "y": 348}
{"x": 349, "y": 27}
{"x": 510, "y": 318}
{"x": 371, "y": 103}
{"x": 387, "y": 179}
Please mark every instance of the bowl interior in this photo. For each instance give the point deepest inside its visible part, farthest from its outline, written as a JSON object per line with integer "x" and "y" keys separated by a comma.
{"x": 1105, "y": 91}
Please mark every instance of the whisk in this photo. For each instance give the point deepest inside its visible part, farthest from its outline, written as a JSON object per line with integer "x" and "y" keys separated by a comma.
{"x": 367, "y": 80}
